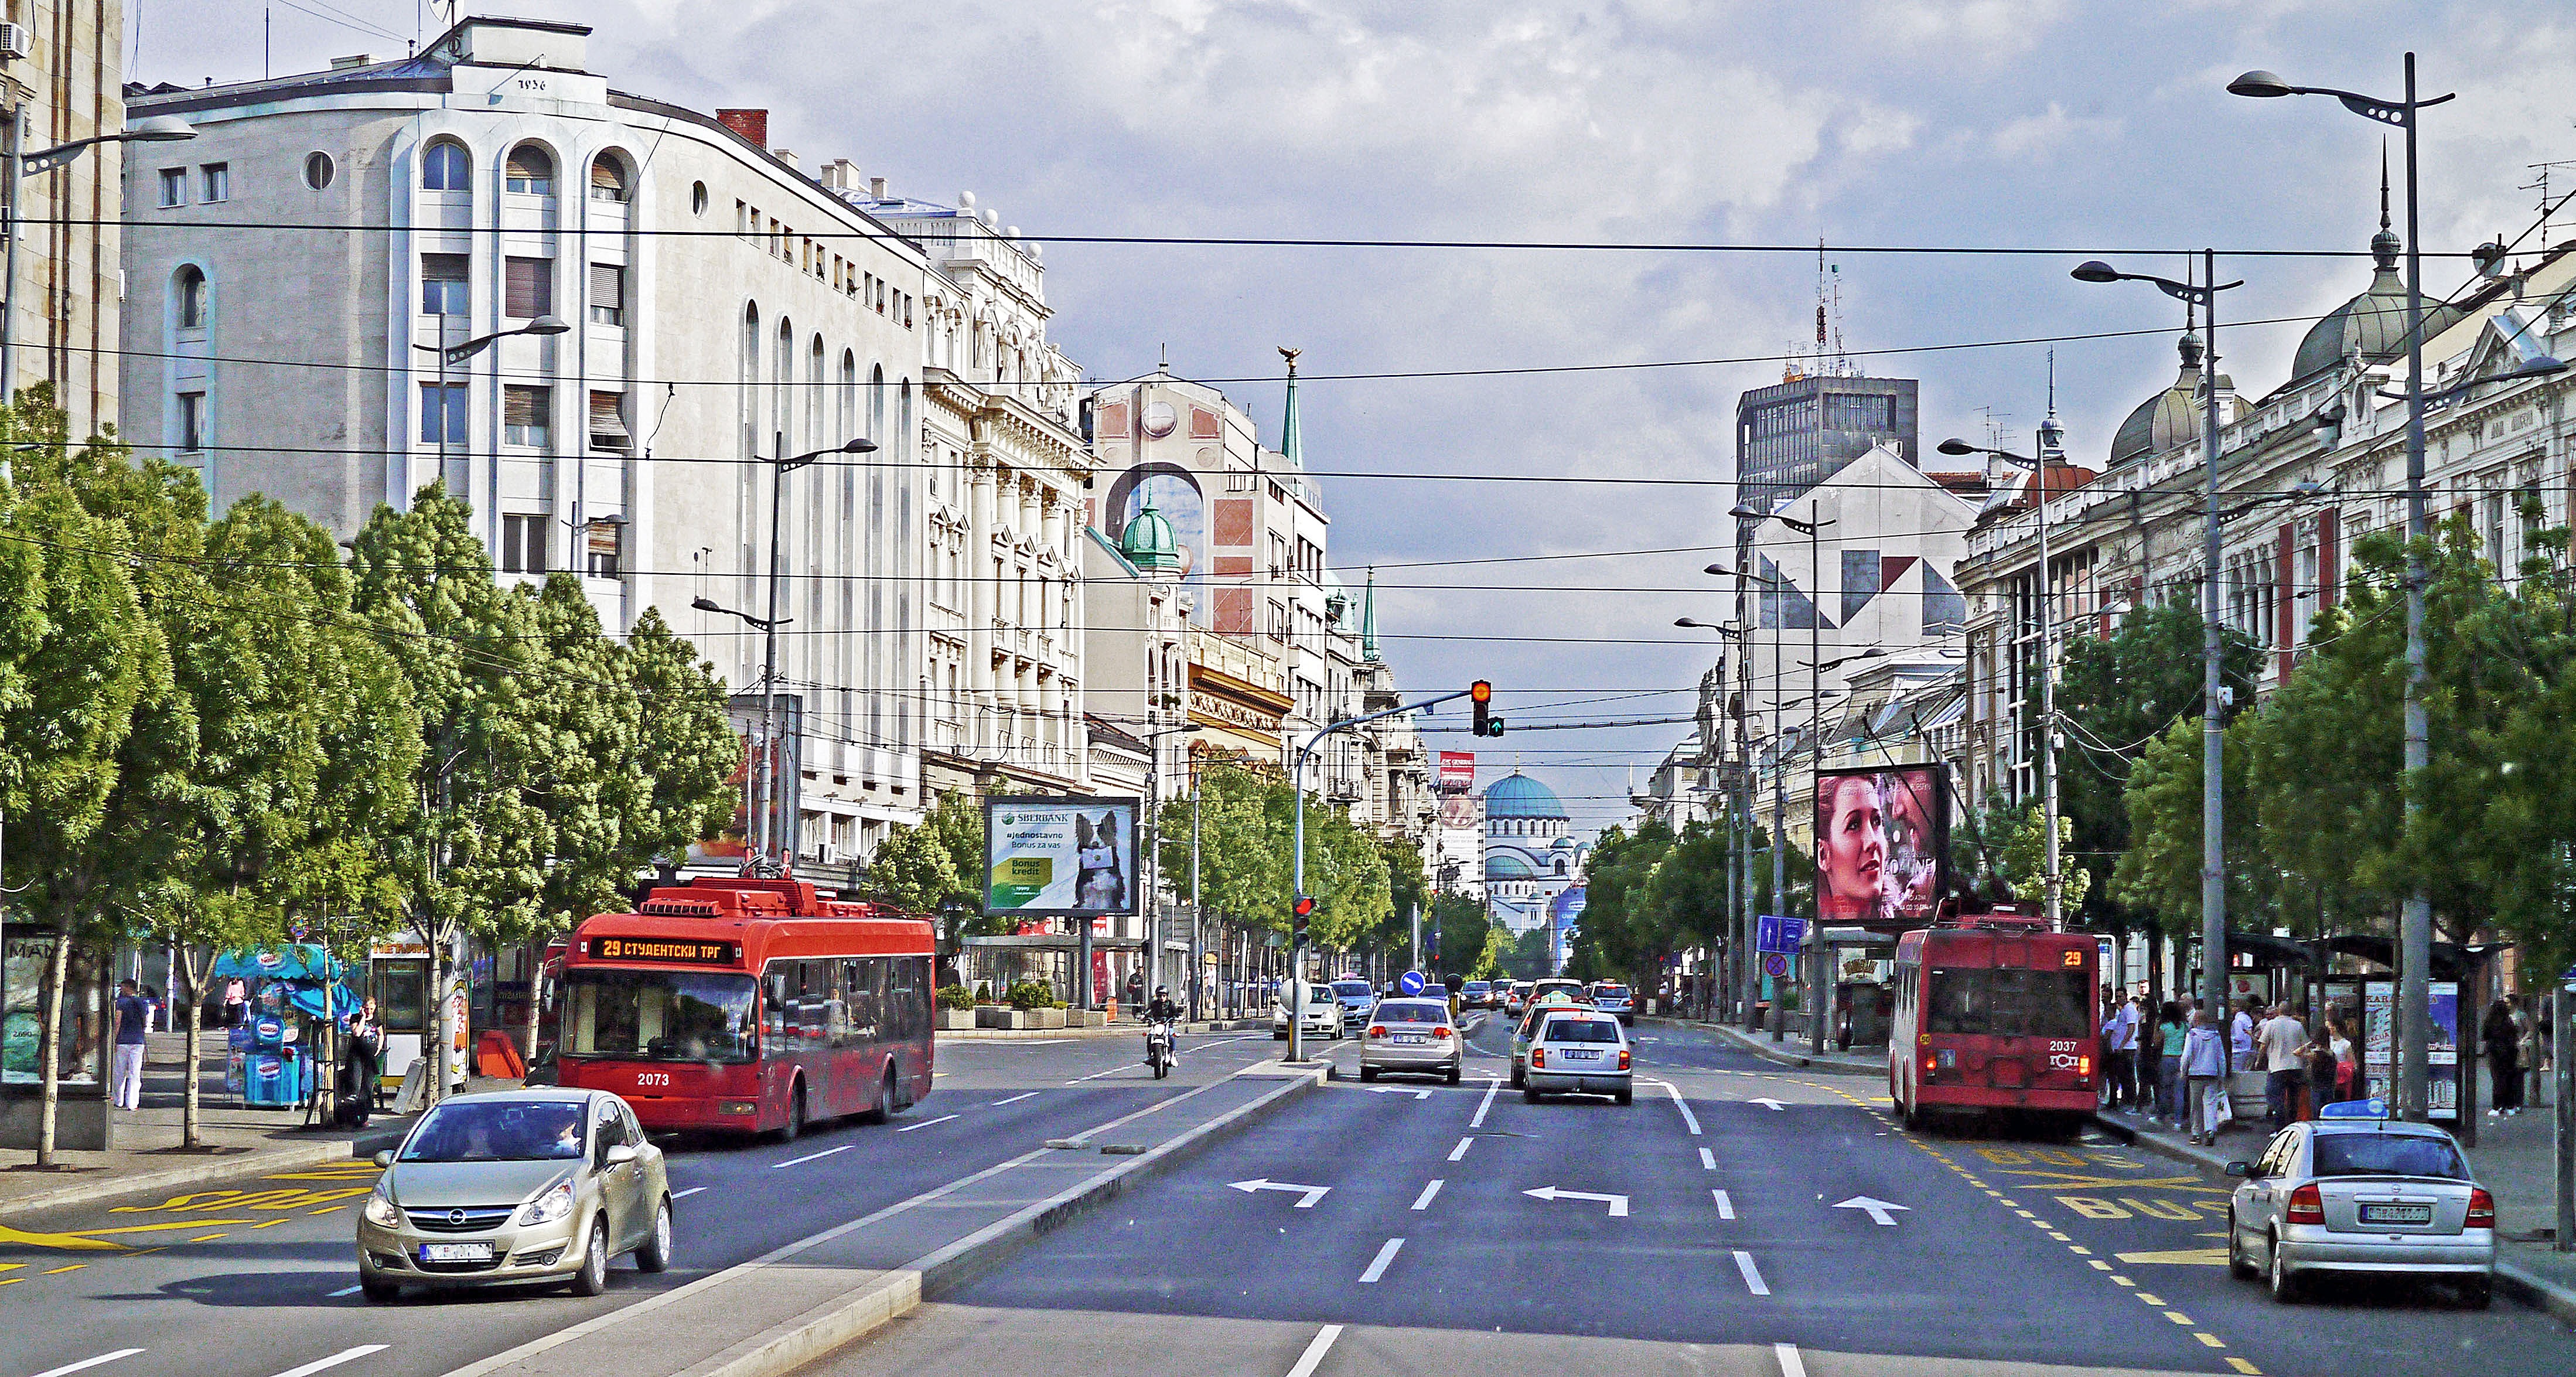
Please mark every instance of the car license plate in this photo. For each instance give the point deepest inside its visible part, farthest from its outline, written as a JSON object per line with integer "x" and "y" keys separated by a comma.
{"x": 2396, "y": 1214}
{"x": 1412, "y": 1039}
{"x": 456, "y": 1252}
{"x": 1583, "y": 1056}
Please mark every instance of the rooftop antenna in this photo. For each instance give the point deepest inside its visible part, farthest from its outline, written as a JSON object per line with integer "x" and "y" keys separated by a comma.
{"x": 2548, "y": 208}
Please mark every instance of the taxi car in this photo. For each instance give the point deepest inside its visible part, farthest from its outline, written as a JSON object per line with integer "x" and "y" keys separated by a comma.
{"x": 1611, "y": 997}
{"x": 526, "y": 1186}
{"x": 2350, "y": 1194}
{"x": 1577, "y": 1051}
{"x": 1412, "y": 1035}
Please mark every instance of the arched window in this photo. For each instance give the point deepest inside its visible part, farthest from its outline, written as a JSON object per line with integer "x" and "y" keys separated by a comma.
{"x": 531, "y": 171}
{"x": 189, "y": 291}
{"x": 608, "y": 180}
{"x": 444, "y": 167}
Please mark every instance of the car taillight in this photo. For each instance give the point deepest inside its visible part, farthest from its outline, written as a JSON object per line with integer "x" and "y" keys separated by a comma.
{"x": 1538, "y": 1056}
{"x": 2306, "y": 1206}
{"x": 1378, "y": 1031}
{"x": 1623, "y": 1058}
{"x": 2481, "y": 1210}
{"x": 1439, "y": 1032}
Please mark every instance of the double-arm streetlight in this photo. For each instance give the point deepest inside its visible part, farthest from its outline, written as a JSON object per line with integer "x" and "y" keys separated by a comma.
{"x": 767, "y": 860}
{"x": 1813, "y": 529}
{"x": 1749, "y": 968}
{"x": 450, "y": 412}
{"x": 2213, "y": 874}
{"x": 152, "y": 129}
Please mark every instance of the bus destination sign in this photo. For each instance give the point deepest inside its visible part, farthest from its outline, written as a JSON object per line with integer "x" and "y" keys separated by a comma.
{"x": 680, "y": 950}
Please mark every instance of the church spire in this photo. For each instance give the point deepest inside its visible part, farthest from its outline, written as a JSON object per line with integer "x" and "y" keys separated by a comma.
{"x": 1368, "y": 618}
{"x": 2384, "y": 245}
{"x": 1289, "y": 441}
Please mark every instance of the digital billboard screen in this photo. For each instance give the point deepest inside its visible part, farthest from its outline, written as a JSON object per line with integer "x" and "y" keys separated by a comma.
{"x": 1882, "y": 844}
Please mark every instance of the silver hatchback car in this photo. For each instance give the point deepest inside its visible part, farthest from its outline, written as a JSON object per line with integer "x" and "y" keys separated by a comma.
{"x": 1582, "y": 1051}
{"x": 529, "y": 1186}
{"x": 2361, "y": 1196}
{"x": 1412, "y": 1035}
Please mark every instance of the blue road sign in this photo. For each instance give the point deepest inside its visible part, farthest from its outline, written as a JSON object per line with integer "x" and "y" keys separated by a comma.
{"x": 1775, "y": 965}
{"x": 1776, "y": 932}
{"x": 1410, "y": 982}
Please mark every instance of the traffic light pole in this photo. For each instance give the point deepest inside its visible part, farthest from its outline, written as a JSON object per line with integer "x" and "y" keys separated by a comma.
{"x": 1296, "y": 992}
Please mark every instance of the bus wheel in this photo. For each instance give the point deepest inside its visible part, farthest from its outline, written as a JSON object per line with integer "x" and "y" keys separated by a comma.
{"x": 1913, "y": 1116}
{"x": 884, "y": 1108}
{"x": 890, "y": 1093}
{"x": 795, "y": 1125}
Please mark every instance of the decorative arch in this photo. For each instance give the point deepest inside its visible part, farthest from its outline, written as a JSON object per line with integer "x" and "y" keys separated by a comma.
{"x": 530, "y": 169}
{"x": 191, "y": 298}
{"x": 612, "y": 177}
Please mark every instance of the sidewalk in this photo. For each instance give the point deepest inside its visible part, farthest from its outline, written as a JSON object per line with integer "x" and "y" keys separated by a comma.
{"x": 244, "y": 1141}
{"x": 1791, "y": 1051}
{"x": 2512, "y": 1160}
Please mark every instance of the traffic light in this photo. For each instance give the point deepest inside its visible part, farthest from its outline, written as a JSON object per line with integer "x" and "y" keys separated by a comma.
{"x": 1482, "y": 694}
{"x": 1303, "y": 908}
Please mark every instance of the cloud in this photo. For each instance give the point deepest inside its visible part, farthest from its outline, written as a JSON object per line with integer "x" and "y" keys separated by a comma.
{"x": 2037, "y": 136}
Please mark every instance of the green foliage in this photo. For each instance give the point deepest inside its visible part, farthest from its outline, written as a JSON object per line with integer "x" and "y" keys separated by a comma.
{"x": 956, "y": 997}
{"x": 2021, "y": 844}
{"x": 1247, "y": 830}
{"x": 1467, "y": 935}
{"x": 1032, "y": 994}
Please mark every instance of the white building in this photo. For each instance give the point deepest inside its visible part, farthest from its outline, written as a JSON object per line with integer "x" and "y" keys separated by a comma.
{"x": 494, "y": 182}
{"x": 1530, "y": 852}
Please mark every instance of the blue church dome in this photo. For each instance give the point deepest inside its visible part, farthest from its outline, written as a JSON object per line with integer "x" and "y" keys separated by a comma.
{"x": 1503, "y": 865}
{"x": 1516, "y": 795}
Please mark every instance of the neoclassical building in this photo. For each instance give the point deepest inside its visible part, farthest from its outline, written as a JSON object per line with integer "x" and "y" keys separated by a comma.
{"x": 1530, "y": 855}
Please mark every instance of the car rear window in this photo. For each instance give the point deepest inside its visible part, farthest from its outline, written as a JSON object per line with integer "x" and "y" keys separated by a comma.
{"x": 1612, "y": 991}
{"x": 1412, "y": 1013}
{"x": 1359, "y": 988}
{"x": 2387, "y": 1154}
{"x": 1580, "y": 1030}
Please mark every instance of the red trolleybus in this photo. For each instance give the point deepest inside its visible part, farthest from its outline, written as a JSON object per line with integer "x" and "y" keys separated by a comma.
{"x": 1996, "y": 1013}
{"x": 748, "y": 1006}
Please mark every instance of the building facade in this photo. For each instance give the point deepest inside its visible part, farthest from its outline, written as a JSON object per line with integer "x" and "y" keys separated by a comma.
{"x": 66, "y": 327}
{"x": 1530, "y": 855}
{"x": 1799, "y": 432}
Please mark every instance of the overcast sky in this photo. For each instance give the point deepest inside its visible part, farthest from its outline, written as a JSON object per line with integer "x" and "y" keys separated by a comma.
{"x": 2087, "y": 127}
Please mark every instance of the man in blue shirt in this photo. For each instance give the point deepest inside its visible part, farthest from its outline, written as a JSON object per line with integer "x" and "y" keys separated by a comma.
{"x": 133, "y": 1020}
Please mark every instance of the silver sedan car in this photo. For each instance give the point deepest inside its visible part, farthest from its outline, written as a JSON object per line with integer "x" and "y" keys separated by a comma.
{"x": 2359, "y": 1196}
{"x": 1413, "y": 1035}
{"x": 1577, "y": 1051}
{"x": 530, "y": 1186}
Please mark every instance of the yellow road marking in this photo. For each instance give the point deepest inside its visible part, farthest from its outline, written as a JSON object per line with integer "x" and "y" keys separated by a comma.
{"x": 2180, "y": 1257}
{"x": 2151, "y": 1300}
{"x": 11, "y": 1281}
{"x": 2099, "y": 1265}
{"x": 2210, "y": 1339}
{"x": 335, "y": 1209}
{"x": 2118, "y": 1280}
{"x": 208, "y": 1238}
{"x": 58, "y": 1271}
{"x": 2243, "y": 1366}
{"x": 2079, "y": 1250}
{"x": 271, "y": 1223}
{"x": 2179, "y": 1318}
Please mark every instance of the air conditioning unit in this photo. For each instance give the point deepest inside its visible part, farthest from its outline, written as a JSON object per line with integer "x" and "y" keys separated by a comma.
{"x": 14, "y": 42}
{"x": 828, "y": 854}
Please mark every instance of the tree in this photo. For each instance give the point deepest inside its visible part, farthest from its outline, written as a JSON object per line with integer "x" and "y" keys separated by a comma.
{"x": 1467, "y": 935}
{"x": 2022, "y": 855}
{"x": 936, "y": 867}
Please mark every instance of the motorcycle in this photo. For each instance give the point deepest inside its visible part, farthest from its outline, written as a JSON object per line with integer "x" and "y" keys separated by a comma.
{"x": 1159, "y": 1040}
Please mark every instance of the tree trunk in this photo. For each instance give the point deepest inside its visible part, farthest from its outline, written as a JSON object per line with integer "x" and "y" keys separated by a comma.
{"x": 191, "y": 1125}
{"x": 49, "y": 1048}
{"x": 440, "y": 1029}
{"x": 536, "y": 972}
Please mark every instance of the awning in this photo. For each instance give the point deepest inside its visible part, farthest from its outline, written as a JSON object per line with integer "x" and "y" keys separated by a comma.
{"x": 281, "y": 961}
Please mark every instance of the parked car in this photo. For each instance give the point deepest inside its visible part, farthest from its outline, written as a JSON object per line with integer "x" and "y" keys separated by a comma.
{"x": 1414, "y": 1036}
{"x": 2349, "y": 1195}
{"x": 513, "y": 1188}
{"x": 1577, "y": 1051}
{"x": 1610, "y": 997}
{"x": 1322, "y": 1017}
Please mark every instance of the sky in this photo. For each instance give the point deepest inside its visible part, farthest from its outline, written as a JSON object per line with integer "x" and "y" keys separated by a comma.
{"x": 2087, "y": 130}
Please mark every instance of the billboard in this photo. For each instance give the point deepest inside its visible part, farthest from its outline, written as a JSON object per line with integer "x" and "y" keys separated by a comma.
{"x": 1068, "y": 857}
{"x": 1457, "y": 772}
{"x": 1882, "y": 844}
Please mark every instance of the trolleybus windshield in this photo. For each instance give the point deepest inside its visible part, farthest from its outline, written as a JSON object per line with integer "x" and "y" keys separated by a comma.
{"x": 699, "y": 1016}
{"x": 2009, "y": 1002}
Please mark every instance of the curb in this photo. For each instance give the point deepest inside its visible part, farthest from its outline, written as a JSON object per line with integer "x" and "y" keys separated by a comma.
{"x": 1779, "y": 1056}
{"x": 211, "y": 1168}
{"x": 896, "y": 1292}
{"x": 2512, "y": 1279}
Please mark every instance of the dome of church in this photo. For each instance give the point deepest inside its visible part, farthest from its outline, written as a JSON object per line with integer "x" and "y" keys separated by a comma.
{"x": 1563, "y": 844}
{"x": 1148, "y": 542}
{"x": 2373, "y": 324}
{"x": 1516, "y": 795}
{"x": 1503, "y": 865}
{"x": 2167, "y": 419}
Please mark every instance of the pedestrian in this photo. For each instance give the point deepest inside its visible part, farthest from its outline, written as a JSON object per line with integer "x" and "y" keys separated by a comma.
{"x": 2503, "y": 1042}
{"x": 2142, "y": 1061}
{"x": 2119, "y": 1048}
{"x": 2204, "y": 1063}
{"x": 2347, "y": 1072}
{"x": 133, "y": 1019}
{"x": 2282, "y": 1038}
{"x": 2170, "y": 1030}
{"x": 2240, "y": 1035}
{"x": 365, "y": 1054}
{"x": 2534, "y": 1047}
{"x": 236, "y": 999}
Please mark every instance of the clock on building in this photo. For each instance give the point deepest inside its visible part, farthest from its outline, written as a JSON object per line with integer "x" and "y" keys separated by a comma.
{"x": 1159, "y": 419}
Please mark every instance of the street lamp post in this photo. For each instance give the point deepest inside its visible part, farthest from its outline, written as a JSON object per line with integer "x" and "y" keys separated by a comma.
{"x": 766, "y": 860}
{"x": 2213, "y": 872}
{"x": 1739, "y": 858}
{"x": 152, "y": 129}
{"x": 453, "y": 355}
{"x": 1153, "y": 964}
{"x": 1812, "y": 964}
{"x": 1779, "y": 785}
{"x": 2415, "y": 921}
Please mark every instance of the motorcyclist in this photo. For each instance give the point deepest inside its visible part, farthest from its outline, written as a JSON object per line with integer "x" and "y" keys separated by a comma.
{"x": 1164, "y": 1009}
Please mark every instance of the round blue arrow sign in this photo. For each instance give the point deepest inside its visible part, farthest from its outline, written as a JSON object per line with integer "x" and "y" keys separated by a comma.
{"x": 1410, "y": 983}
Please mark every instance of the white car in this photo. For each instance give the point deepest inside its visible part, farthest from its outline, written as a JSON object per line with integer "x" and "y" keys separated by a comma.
{"x": 1323, "y": 1016}
{"x": 1577, "y": 1051}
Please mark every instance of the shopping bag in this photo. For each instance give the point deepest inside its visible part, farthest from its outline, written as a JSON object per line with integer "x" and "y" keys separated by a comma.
{"x": 2221, "y": 1112}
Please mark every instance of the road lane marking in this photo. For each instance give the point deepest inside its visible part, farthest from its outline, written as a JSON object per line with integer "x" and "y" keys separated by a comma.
{"x": 1752, "y": 1275}
{"x": 2179, "y": 1318}
{"x": 926, "y": 1123}
{"x": 208, "y": 1238}
{"x": 2211, "y": 1339}
{"x": 343, "y": 1291}
{"x": 1707, "y": 1160}
{"x": 1263, "y": 1183}
{"x": 58, "y": 1271}
{"x": 1112, "y": 1071}
{"x": 1313, "y": 1357}
{"x": 1488, "y": 1103}
{"x": 1015, "y": 1099}
{"x": 344, "y": 1355}
{"x": 1684, "y": 1106}
{"x": 683, "y": 1195}
{"x": 87, "y": 1363}
{"x": 1460, "y": 1151}
{"x": 1725, "y": 1205}
{"x": 1790, "y": 1364}
{"x": 810, "y": 1157}
{"x": 2243, "y": 1366}
{"x": 1423, "y": 1201}
{"x": 1385, "y": 1255}
{"x": 271, "y": 1223}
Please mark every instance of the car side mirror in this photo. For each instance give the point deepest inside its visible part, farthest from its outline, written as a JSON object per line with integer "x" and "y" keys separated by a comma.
{"x": 2240, "y": 1169}
{"x": 620, "y": 1155}
{"x": 383, "y": 1159}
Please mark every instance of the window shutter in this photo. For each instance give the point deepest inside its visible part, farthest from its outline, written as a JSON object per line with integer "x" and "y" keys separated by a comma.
{"x": 608, "y": 421}
{"x": 444, "y": 267}
{"x": 608, "y": 286}
{"x": 531, "y": 288}
{"x": 523, "y": 406}
{"x": 607, "y": 181}
{"x": 531, "y": 164}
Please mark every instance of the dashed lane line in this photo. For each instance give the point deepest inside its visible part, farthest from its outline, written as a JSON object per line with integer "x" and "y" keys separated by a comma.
{"x": 1725, "y": 1205}
{"x": 343, "y": 1356}
{"x": 926, "y": 1123}
{"x": 1313, "y": 1357}
{"x": 1385, "y": 1255}
{"x": 1707, "y": 1160}
{"x": 1429, "y": 1193}
{"x": 86, "y": 1364}
{"x": 1752, "y": 1275}
{"x": 810, "y": 1157}
{"x": 1015, "y": 1099}
{"x": 1486, "y": 1104}
{"x": 683, "y": 1195}
{"x": 1684, "y": 1106}
{"x": 1791, "y": 1365}
{"x": 1460, "y": 1151}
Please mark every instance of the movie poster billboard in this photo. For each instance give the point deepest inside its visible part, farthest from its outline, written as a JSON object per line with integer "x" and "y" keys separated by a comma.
{"x": 1068, "y": 857}
{"x": 1882, "y": 845}
{"x": 1457, "y": 772}
{"x": 787, "y": 768}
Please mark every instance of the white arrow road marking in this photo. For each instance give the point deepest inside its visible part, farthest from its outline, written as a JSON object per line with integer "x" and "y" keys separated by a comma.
{"x": 1752, "y": 1275}
{"x": 1312, "y": 1193}
{"x": 327, "y": 1295}
{"x": 68, "y": 1368}
{"x": 1400, "y": 1090}
{"x": 1707, "y": 1160}
{"x": 1790, "y": 1364}
{"x": 1684, "y": 1106}
{"x": 1423, "y": 1201}
{"x": 1618, "y": 1203}
{"x": 1486, "y": 1104}
{"x": 1460, "y": 1151}
{"x": 1879, "y": 1210}
{"x": 1725, "y": 1205}
{"x": 811, "y": 1157}
{"x": 926, "y": 1123}
{"x": 344, "y": 1355}
{"x": 1313, "y": 1357}
{"x": 1776, "y": 1106}
{"x": 1385, "y": 1255}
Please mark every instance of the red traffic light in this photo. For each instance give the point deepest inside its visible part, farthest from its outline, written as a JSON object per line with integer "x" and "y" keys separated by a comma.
{"x": 1305, "y": 905}
{"x": 1481, "y": 691}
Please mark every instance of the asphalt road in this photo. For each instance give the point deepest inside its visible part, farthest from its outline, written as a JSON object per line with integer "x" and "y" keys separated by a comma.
{"x": 1716, "y": 1226}
{"x": 255, "y": 1277}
